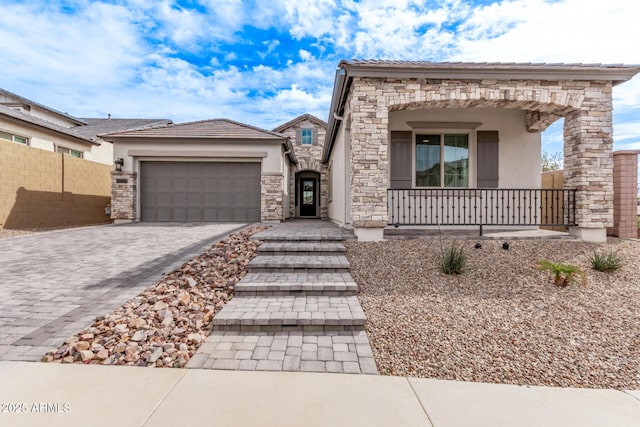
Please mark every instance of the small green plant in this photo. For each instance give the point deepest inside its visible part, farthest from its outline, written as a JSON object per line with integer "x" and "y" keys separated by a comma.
{"x": 453, "y": 259}
{"x": 605, "y": 261}
{"x": 563, "y": 274}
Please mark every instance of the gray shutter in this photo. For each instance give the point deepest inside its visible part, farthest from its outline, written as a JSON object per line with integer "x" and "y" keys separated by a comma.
{"x": 488, "y": 158}
{"x": 314, "y": 136}
{"x": 401, "y": 159}
{"x": 298, "y": 136}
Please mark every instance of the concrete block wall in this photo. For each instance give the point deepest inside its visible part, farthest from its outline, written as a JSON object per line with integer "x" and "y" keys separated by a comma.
{"x": 45, "y": 189}
{"x": 625, "y": 194}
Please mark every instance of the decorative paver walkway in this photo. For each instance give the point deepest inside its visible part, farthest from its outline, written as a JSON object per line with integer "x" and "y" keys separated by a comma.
{"x": 54, "y": 284}
{"x": 296, "y": 310}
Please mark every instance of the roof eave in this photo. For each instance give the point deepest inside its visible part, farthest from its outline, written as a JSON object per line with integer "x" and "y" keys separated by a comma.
{"x": 51, "y": 130}
{"x": 598, "y": 73}
{"x": 337, "y": 100}
{"x": 156, "y": 138}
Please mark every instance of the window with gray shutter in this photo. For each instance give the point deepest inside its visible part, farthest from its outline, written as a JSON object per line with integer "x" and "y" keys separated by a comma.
{"x": 314, "y": 136}
{"x": 488, "y": 158}
{"x": 400, "y": 159}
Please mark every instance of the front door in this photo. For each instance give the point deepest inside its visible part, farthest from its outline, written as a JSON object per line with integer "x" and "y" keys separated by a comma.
{"x": 308, "y": 196}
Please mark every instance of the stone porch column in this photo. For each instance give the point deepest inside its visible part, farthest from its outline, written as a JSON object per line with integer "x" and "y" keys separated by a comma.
{"x": 588, "y": 161}
{"x": 625, "y": 194}
{"x": 123, "y": 196}
{"x": 369, "y": 160}
{"x": 272, "y": 197}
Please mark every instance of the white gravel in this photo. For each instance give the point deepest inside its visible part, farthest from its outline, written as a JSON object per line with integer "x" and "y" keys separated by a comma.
{"x": 502, "y": 321}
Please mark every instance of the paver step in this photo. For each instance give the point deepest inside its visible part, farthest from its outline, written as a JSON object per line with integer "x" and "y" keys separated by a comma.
{"x": 275, "y": 284}
{"x": 302, "y": 263}
{"x": 301, "y": 248}
{"x": 345, "y": 352}
{"x": 284, "y": 313}
{"x": 287, "y": 237}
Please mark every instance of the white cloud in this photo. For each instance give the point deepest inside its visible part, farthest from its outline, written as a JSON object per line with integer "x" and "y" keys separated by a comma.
{"x": 567, "y": 31}
{"x": 129, "y": 58}
{"x": 305, "y": 55}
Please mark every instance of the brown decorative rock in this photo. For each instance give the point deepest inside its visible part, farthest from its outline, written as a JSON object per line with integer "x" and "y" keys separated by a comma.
{"x": 86, "y": 355}
{"x": 82, "y": 345}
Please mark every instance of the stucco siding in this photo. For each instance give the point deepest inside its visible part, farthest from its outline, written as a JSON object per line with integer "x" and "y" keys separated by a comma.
{"x": 48, "y": 141}
{"x": 519, "y": 150}
{"x": 339, "y": 180}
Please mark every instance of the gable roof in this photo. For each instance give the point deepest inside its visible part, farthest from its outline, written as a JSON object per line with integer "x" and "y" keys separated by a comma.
{"x": 376, "y": 68}
{"x": 43, "y": 124}
{"x": 300, "y": 119}
{"x": 209, "y": 129}
{"x": 29, "y": 102}
{"x": 98, "y": 126}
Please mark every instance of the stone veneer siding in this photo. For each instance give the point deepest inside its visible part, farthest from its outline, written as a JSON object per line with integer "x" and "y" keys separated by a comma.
{"x": 585, "y": 105}
{"x": 271, "y": 201}
{"x": 308, "y": 160}
{"x": 123, "y": 195}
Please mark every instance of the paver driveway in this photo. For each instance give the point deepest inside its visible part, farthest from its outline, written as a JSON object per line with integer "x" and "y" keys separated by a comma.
{"x": 54, "y": 284}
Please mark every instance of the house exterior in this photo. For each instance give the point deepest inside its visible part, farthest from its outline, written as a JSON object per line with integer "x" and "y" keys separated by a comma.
{"x": 308, "y": 183}
{"x": 459, "y": 144}
{"x": 211, "y": 170}
{"x": 406, "y": 143}
{"x": 29, "y": 123}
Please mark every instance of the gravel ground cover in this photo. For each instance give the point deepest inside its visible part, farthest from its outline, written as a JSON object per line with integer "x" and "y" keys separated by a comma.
{"x": 502, "y": 320}
{"x": 166, "y": 324}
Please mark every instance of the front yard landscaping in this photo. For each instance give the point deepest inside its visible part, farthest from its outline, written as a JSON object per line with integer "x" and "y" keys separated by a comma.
{"x": 166, "y": 324}
{"x": 502, "y": 320}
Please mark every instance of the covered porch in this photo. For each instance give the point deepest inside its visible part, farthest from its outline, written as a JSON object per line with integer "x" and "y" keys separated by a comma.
{"x": 460, "y": 145}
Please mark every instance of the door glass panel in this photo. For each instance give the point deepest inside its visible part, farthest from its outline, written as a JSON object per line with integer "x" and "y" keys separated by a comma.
{"x": 307, "y": 193}
{"x": 427, "y": 160}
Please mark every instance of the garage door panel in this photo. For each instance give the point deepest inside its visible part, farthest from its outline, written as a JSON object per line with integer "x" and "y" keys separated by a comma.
{"x": 179, "y": 199}
{"x": 200, "y": 191}
{"x": 179, "y": 184}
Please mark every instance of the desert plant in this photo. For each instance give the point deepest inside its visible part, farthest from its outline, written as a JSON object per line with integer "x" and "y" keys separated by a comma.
{"x": 453, "y": 258}
{"x": 563, "y": 274}
{"x": 605, "y": 261}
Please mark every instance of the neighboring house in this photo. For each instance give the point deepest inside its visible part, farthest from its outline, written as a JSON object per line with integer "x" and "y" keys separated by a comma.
{"x": 27, "y": 122}
{"x": 459, "y": 144}
{"x": 211, "y": 170}
{"x": 308, "y": 184}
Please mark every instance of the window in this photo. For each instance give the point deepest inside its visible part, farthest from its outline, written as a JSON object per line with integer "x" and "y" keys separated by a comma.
{"x": 14, "y": 138}
{"x": 442, "y": 160}
{"x": 74, "y": 153}
{"x": 306, "y": 137}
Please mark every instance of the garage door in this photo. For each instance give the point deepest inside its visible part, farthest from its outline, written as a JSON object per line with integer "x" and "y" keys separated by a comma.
{"x": 200, "y": 191}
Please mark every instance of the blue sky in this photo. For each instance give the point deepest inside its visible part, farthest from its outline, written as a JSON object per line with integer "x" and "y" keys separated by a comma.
{"x": 265, "y": 62}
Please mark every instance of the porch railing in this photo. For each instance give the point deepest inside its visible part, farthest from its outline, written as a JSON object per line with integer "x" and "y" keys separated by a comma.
{"x": 479, "y": 207}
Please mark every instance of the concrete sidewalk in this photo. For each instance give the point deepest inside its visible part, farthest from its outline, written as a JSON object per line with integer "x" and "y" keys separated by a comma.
{"x": 70, "y": 395}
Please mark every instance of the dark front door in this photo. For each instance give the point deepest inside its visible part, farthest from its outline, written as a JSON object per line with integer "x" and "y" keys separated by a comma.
{"x": 308, "y": 196}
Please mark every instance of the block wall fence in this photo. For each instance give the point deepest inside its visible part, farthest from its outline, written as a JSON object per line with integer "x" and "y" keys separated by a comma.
{"x": 625, "y": 193}
{"x": 40, "y": 188}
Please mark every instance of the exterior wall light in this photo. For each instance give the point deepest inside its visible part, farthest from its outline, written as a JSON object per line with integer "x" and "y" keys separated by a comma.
{"x": 119, "y": 162}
